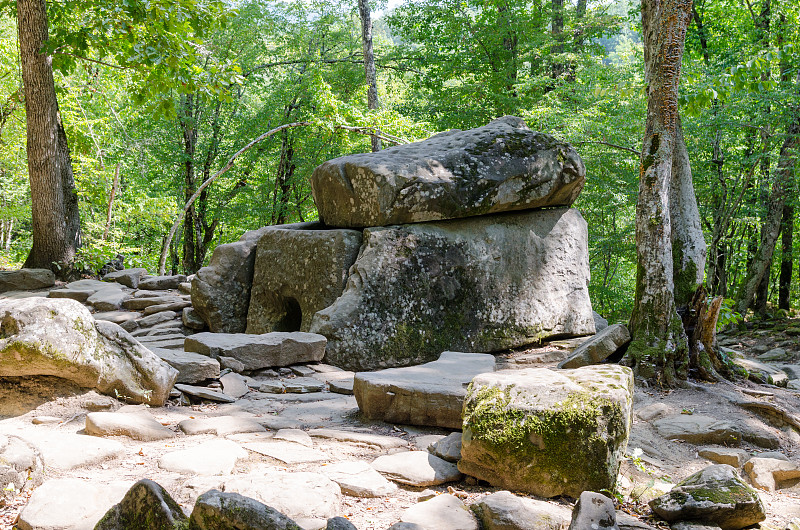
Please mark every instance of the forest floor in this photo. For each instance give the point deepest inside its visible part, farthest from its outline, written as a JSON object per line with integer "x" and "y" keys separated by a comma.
{"x": 657, "y": 461}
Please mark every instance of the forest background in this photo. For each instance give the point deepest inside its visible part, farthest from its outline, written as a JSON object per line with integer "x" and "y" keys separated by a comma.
{"x": 142, "y": 143}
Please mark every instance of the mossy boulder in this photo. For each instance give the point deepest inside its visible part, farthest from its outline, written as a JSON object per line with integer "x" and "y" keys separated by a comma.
{"x": 714, "y": 495}
{"x": 548, "y": 432}
{"x": 146, "y": 505}
{"x": 481, "y": 285}
{"x": 59, "y": 337}
{"x": 216, "y": 510}
{"x": 500, "y": 167}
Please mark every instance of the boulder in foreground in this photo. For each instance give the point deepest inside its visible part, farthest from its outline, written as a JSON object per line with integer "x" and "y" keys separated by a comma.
{"x": 59, "y": 337}
{"x": 500, "y": 167}
{"x": 714, "y": 495}
{"x": 146, "y": 505}
{"x": 548, "y": 432}
{"x": 482, "y": 284}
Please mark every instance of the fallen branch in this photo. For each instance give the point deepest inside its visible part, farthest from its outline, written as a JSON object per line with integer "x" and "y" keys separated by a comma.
{"x": 369, "y": 131}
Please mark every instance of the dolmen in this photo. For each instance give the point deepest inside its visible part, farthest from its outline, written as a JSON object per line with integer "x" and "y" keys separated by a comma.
{"x": 464, "y": 242}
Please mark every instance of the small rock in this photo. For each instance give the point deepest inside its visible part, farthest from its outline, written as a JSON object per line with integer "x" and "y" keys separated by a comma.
{"x": 127, "y": 277}
{"x": 339, "y": 523}
{"x": 417, "y": 468}
{"x": 629, "y": 522}
{"x": 302, "y": 370}
{"x": 424, "y": 442}
{"x": 232, "y": 364}
{"x": 303, "y": 385}
{"x": 600, "y": 323}
{"x": 594, "y": 511}
{"x": 654, "y": 411}
{"x": 295, "y": 435}
{"x": 698, "y": 429}
{"x": 158, "y": 318}
{"x": 205, "y": 393}
{"x": 775, "y": 354}
{"x": 192, "y": 320}
{"x": 448, "y": 448}
{"x": 215, "y": 457}
{"x": 768, "y": 473}
{"x": 272, "y": 387}
{"x": 724, "y": 455}
{"x": 191, "y": 367}
{"x": 234, "y": 385}
{"x": 137, "y": 426}
{"x": 715, "y": 495}
{"x": 220, "y": 425}
{"x": 109, "y": 299}
{"x": 146, "y": 505}
{"x": 45, "y": 420}
{"x": 341, "y": 386}
{"x": 685, "y": 525}
{"x": 21, "y": 467}
{"x": 215, "y": 510}
{"x": 598, "y": 347}
{"x": 506, "y": 511}
{"x": 162, "y": 283}
{"x": 359, "y": 479}
{"x": 773, "y": 454}
{"x": 443, "y": 512}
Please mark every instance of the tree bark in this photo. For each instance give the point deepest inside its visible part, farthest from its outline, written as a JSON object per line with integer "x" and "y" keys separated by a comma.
{"x": 659, "y": 350}
{"x": 54, "y": 203}
{"x": 111, "y": 198}
{"x": 369, "y": 64}
{"x": 787, "y": 263}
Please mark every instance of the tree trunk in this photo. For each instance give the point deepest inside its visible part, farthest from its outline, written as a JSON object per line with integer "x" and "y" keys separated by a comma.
{"x": 659, "y": 350}
{"x": 772, "y": 223}
{"x": 557, "y": 29}
{"x": 369, "y": 64}
{"x": 787, "y": 263}
{"x": 188, "y": 124}
{"x": 111, "y": 202}
{"x": 54, "y": 203}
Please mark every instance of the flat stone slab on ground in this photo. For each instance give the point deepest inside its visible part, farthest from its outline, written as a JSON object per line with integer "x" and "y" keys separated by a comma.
{"x": 297, "y": 494}
{"x": 162, "y": 283}
{"x": 79, "y": 295}
{"x": 117, "y": 317}
{"x": 359, "y": 479}
{"x": 260, "y": 351}
{"x": 158, "y": 318}
{"x": 66, "y": 451}
{"x": 771, "y": 473}
{"x": 220, "y": 425}
{"x": 287, "y": 452}
{"x": 378, "y": 440}
{"x": 443, "y": 512}
{"x": 109, "y": 299}
{"x": 204, "y": 393}
{"x": 298, "y": 436}
{"x": 135, "y": 425}
{"x": 70, "y": 503}
{"x": 429, "y": 394}
{"x": 724, "y": 455}
{"x": 302, "y": 385}
{"x": 416, "y": 468}
{"x": 215, "y": 457}
{"x": 698, "y": 429}
{"x": 191, "y": 367}
{"x": 505, "y": 511}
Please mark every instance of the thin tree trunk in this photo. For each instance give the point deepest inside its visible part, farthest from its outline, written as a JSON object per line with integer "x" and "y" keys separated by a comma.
{"x": 55, "y": 220}
{"x": 772, "y": 223}
{"x": 369, "y": 64}
{"x": 787, "y": 263}
{"x": 557, "y": 29}
{"x": 111, "y": 202}
{"x": 659, "y": 350}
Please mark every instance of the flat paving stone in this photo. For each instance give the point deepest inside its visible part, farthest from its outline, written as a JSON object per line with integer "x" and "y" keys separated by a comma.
{"x": 158, "y": 318}
{"x": 416, "y": 468}
{"x": 66, "y": 451}
{"x": 80, "y": 295}
{"x": 378, "y": 440}
{"x": 109, "y": 299}
{"x": 286, "y": 452}
{"x": 117, "y": 317}
{"x": 443, "y": 512}
{"x": 429, "y": 394}
{"x": 220, "y": 425}
{"x": 191, "y": 367}
{"x": 303, "y": 385}
{"x": 135, "y": 425}
{"x": 215, "y": 457}
{"x": 70, "y": 503}
{"x": 295, "y": 435}
{"x": 698, "y": 429}
{"x": 204, "y": 393}
{"x": 359, "y": 479}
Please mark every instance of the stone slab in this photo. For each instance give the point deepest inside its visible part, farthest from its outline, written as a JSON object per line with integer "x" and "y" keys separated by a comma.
{"x": 260, "y": 351}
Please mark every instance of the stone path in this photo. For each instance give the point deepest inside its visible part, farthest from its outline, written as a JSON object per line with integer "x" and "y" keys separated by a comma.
{"x": 311, "y": 454}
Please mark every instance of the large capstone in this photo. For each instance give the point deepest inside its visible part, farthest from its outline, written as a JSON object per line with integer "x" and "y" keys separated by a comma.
{"x": 59, "y": 337}
{"x": 221, "y": 291}
{"x": 26, "y": 279}
{"x": 502, "y": 166}
{"x": 483, "y": 284}
{"x": 297, "y": 273}
{"x": 548, "y": 432}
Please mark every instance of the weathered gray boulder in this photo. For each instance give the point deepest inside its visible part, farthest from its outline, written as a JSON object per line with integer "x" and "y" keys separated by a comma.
{"x": 136, "y": 425}
{"x": 297, "y": 273}
{"x": 59, "y": 337}
{"x": 192, "y": 367}
{"x": 215, "y": 510}
{"x": 442, "y": 512}
{"x": 146, "y": 505}
{"x": 698, "y": 429}
{"x": 598, "y": 348}
{"x": 594, "y": 510}
{"x": 715, "y": 495}
{"x": 505, "y": 511}
{"x": 221, "y": 291}
{"x": 499, "y": 167}
{"x": 482, "y": 284}
{"x": 260, "y": 351}
{"x": 160, "y": 283}
{"x": 548, "y": 432}
{"x": 26, "y": 279}
{"x": 770, "y": 473}
{"x": 429, "y": 394}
